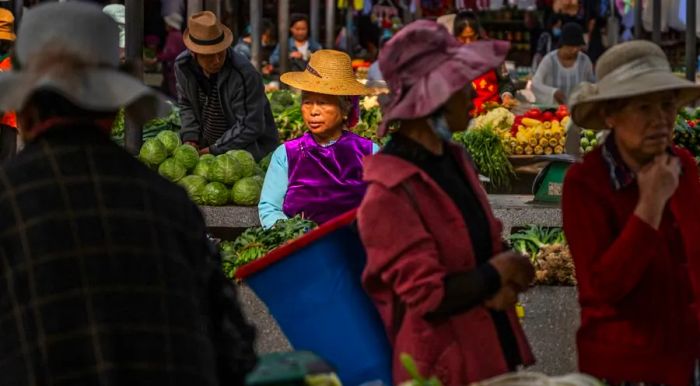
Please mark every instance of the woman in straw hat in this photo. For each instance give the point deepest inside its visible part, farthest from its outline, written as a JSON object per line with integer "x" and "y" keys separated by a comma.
{"x": 632, "y": 218}
{"x": 320, "y": 174}
{"x": 436, "y": 268}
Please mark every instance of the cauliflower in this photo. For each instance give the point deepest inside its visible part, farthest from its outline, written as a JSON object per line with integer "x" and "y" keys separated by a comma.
{"x": 499, "y": 118}
{"x": 370, "y": 102}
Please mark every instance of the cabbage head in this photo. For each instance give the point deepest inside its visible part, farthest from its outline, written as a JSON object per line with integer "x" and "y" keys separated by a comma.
{"x": 207, "y": 157}
{"x": 203, "y": 169}
{"x": 170, "y": 139}
{"x": 187, "y": 156}
{"x": 246, "y": 161}
{"x": 172, "y": 170}
{"x": 153, "y": 152}
{"x": 246, "y": 192}
{"x": 216, "y": 194}
{"x": 225, "y": 169}
{"x": 194, "y": 185}
{"x": 265, "y": 162}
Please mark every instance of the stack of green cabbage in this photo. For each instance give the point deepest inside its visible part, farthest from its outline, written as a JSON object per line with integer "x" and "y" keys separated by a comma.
{"x": 231, "y": 178}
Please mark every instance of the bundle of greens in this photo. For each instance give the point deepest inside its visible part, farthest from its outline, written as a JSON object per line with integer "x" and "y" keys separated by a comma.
{"x": 530, "y": 240}
{"x": 488, "y": 153}
{"x": 280, "y": 100}
{"x": 549, "y": 253}
{"x": 686, "y": 131}
{"x": 257, "y": 242}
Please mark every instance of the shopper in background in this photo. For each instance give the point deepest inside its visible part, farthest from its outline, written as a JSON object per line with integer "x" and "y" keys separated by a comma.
{"x": 319, "y": 175}
{"x": 375, "y": 73}
{"x": 548, "y": 40}
{"x": 596, "y": 43}
{"x": 118, "y": 13}
{"x": 300, "y": 45}
{"x": 436, "y": 269}
{"x": 245, "y": 45}
{"x": 221, "y": 95}
{"x": 173, "y": 47}
{"x": 493, "y": 86}
{"x": 563, "y": 69}
{"x": 108, "y": 277}
{"x": 8, "y": 121}
{"x": 632, "y": 218}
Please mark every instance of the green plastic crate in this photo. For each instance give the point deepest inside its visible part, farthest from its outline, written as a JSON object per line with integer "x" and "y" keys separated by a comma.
{"x": 549, "y": 184}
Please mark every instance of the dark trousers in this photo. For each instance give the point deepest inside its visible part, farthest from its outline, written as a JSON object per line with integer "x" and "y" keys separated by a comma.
{"x": 8, "y": 142}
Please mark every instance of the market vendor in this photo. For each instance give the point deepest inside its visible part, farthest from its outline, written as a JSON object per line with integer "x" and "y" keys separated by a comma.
{"x": 563, "y": 69}
{"x": 494, "y": 85}
{"x": 436, "y": 269}
{"x": 319, "y": 175}
{"x": 632, "y": 218}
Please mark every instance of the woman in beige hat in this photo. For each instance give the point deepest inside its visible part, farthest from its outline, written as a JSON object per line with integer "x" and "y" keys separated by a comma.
{"x": 632, "y": 217}
{"x": 319, "y": 174}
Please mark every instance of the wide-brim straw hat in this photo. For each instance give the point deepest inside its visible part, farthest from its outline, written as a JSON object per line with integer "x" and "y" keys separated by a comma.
{"x": 7, "y": 25}
{"x": 206, "y": 35}
{"x": 328, "y": 72}
{"x": 627, "y": 70}
{"x": 72, "y": 49}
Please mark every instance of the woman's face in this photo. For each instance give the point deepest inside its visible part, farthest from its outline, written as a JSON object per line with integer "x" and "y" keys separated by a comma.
{"x": 457, "y": 109}
{"x": 468, "y": 35}
{"x": 322, "y": 114}
{"x": 300, "y": 31}
{"x": 643, "y": 127}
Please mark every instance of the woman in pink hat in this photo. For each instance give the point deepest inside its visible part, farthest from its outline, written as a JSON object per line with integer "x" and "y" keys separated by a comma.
{"x": 437, "y": 270}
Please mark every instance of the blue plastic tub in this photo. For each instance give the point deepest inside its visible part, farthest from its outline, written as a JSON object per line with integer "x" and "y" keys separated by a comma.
{"x": 312, "y": 288}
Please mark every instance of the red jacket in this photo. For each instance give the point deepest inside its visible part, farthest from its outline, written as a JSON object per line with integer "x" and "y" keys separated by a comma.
{"x": 637, "y": 285}
{"x": 409, "y": 255}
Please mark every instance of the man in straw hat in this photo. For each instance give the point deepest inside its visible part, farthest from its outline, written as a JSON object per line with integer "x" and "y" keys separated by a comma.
{"x": 222, "y": 97}
{"x": 8, "y": 121}
{"x": 632, "y": 218}
{"x": 319, "y": 175}
{"x": 107, "y": 274}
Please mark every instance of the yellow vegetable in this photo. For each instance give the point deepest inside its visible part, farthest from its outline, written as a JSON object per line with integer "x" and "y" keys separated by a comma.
{"x": 548, "y": 133}
{"x": 565, "y": 121}
{"x": 557, "y": 134}
{"x": 553, "y": 142}
{"x": 529, "y": 150}
{"x": 548, "y": 125}
{"x": 556, "y": 125}
{"x": 544, "y": 142}
{"x": 533, "y": 142}
{"x": 539, "y": 150}
{"x": 548, "y": 150}
{"x": 519, "y": 150}
{"x": 539, "y": 132}
{"x": 559, "y": 150}
{"x": 529, "y": 122}
{"x": 562, "y": 141}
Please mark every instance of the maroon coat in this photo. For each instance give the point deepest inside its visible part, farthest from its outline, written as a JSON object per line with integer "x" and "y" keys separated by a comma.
{"x": 637, "y": 285}
{"x": 408, "y": 256}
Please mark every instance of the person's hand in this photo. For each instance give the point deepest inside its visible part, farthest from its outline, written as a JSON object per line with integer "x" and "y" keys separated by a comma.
{"x": 508, "y": 100}
{"x": 204, "y": 151}
{"x": 559, "y": 97}
{"x": 193, "y": 144}
{"x": 267, "y": 70}
{"x": 515, "y": 270}
{"x": 296, "y": 55}
{"x": 657, "y": 182}
{"x": 505, "y": 299}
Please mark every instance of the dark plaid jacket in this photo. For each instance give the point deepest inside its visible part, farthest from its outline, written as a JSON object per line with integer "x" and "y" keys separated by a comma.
{"x": 106, "y": 275}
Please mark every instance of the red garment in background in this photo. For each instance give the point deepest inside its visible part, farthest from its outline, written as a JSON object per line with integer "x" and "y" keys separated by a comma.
{"x": 409, "y": 253}
{"x": 173, "y": 47}
{"x": 8, "y": 119}
{"x": 486, "y": 87}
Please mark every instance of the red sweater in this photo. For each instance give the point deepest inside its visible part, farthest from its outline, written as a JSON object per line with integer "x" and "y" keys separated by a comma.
{"x": 637, "y": 286}
{"x": 408, "y": 256}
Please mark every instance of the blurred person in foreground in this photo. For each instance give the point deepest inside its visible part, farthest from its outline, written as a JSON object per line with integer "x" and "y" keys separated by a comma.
{"x": 107, "y": 276}
{"x": 632, "y": 218}
{"x": 8, "y": 121}
{"x": 436, "y": 266}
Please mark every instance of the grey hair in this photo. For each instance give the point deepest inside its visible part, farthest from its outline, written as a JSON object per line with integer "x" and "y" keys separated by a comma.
{"x": 345, "y": 103}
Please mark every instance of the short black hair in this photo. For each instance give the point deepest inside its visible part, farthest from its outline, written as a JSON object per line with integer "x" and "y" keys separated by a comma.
{"x": 297, "y": 17}
{"x": 466, "y": 19}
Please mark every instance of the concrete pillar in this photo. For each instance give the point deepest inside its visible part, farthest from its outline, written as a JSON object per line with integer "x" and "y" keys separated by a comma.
{"x": 255, "y": 31}
{"x": 330, "y": 24}
{"x": 691, "y": 48}
{"x": 134, "y": 55}
{"x": 283, "y": 20}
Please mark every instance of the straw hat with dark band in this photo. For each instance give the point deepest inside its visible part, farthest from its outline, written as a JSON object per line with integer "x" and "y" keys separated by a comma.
{"x": 205, "y": 35}
{"x": 625, "y": 71}
{"x": 328, "y": 72}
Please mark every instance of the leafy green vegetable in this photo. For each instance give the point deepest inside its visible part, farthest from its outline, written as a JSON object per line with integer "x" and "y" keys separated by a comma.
{"x": 246, "y": 162}
{"x": 170, "y": 139}
{"x": 225, "y": 169}
{"x": 246, "y": 192}
{"x": 265, "y": 162}
{"x": 530, "y": 240}
{"x": 195, "y": 186}
{"x": 486, "y": 149}
{"x": 187, "y": 156}
{"x": 207, "y": 157}
{"x": 153, "y": 152}
{"x": 203, "y": 169}
{"x": 172, "y": 170}
{"x": 216, "y": 194}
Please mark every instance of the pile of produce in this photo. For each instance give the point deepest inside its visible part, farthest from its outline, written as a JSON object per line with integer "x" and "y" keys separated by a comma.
{"x": 686, "y": 131}
{"x": 589, "y": 141}
{"x": 488, "y": 153}
{"x": 286, "y": 108}
{"x": 151, "y": 128}
{"x": 549, "y": 253}
{"x": 233, "y": 177}
{"x": 257, "y": 242}
{"x": 537, "y": 132}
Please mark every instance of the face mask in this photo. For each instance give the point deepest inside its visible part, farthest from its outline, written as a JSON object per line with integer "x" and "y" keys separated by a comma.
{"x": 556, "y": 32}
{"x": 438, "y": 123}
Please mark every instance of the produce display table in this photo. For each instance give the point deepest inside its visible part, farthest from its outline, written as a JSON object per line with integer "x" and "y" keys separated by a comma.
{"x": 513, "y": 210}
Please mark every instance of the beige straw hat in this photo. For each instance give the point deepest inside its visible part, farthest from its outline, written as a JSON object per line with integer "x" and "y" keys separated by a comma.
{"x": 328, "y": 72}
{"x": 627, "y": 70}
{"x": 205, "y": 35}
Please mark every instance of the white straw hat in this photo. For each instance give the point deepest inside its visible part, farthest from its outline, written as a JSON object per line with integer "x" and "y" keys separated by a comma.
{"x": 627, "y": 70}
{"x": 72, "y": 49}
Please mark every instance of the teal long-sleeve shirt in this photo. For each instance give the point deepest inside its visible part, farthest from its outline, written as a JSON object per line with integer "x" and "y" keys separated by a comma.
{"x": 270, "y": 209}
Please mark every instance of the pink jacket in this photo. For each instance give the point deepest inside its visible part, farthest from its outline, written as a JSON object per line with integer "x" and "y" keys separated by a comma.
{"x": 408, "y": 256}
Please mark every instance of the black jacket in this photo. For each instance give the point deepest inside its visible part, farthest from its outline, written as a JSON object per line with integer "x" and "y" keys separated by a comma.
{"x": 106, "y": 274}
{"x": 243, "y": 99}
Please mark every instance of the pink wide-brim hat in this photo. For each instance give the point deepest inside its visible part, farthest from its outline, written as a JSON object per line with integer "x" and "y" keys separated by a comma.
{"x": 424, "y": 65}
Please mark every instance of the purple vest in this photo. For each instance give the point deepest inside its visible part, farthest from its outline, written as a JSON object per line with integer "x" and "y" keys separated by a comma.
{"x": 325, "y": 182}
